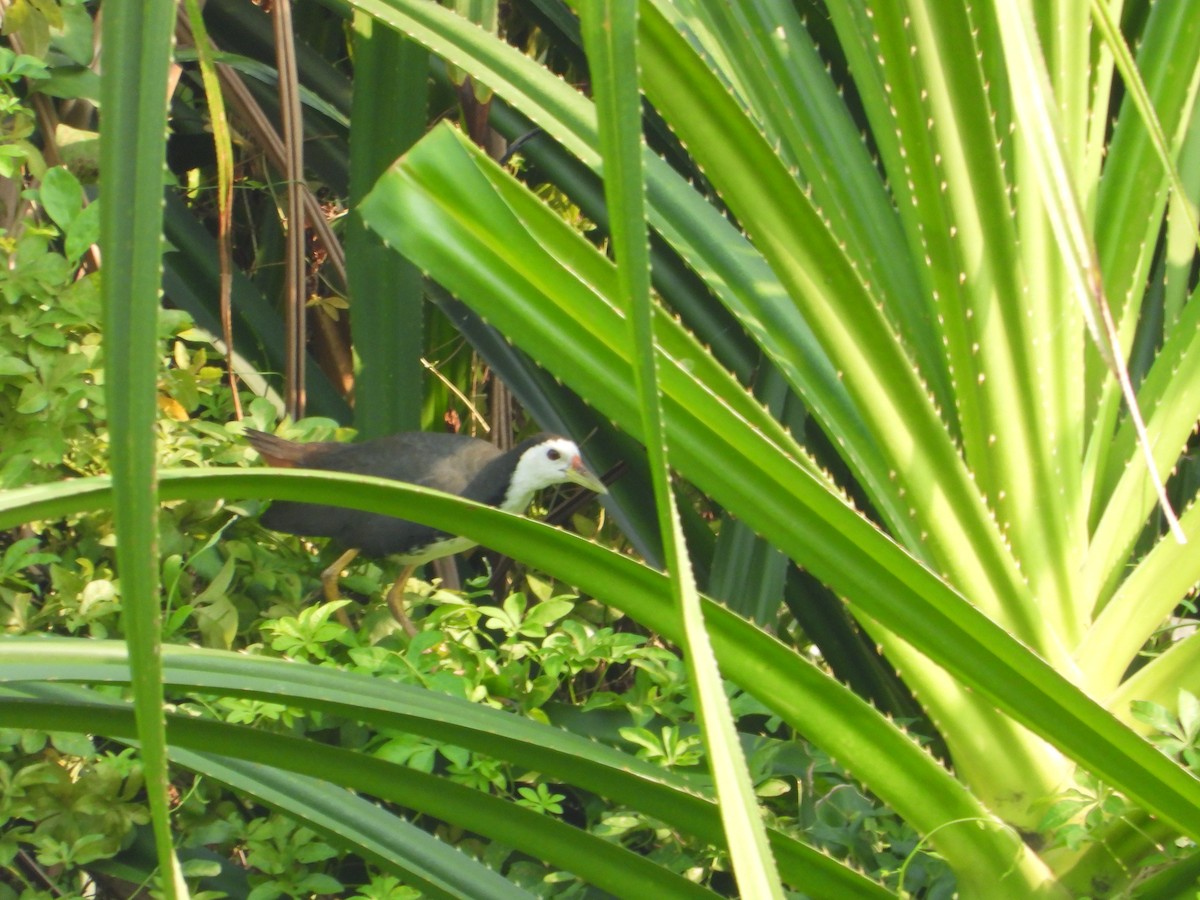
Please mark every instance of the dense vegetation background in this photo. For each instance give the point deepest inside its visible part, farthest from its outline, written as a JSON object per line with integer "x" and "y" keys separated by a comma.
{"x": 924, "y": 347}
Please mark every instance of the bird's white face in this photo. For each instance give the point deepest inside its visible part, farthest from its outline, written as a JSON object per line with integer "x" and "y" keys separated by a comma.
{"x": 553, "y": 461}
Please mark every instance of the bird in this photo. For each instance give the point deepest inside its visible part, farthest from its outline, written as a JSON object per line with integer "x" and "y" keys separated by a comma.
{"x": 453, "y": 463}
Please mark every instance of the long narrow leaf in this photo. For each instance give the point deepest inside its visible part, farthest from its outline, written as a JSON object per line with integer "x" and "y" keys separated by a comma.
{"x": 136, "y": 39}
{"x": 610, "y": 37}
{"x": 223, "y": 141}
{"x": 386, "y": 312}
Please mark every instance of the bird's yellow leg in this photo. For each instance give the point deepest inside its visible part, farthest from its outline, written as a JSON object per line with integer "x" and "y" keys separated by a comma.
{"x": 395, "y": 601}
{"x": 329, "y": 584}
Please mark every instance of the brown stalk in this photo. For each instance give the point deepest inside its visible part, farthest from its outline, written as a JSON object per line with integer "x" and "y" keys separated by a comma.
{"x": 295, "y": 282}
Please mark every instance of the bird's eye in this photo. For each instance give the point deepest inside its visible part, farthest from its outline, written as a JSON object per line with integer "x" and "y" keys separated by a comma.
{"x": 553, "y": 454}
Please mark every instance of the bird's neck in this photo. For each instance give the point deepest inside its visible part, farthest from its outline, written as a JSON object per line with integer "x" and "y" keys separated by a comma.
{"x": 516, "y": 501}
{"x": 502, "y": 483}
{"x": 521, "y": 489}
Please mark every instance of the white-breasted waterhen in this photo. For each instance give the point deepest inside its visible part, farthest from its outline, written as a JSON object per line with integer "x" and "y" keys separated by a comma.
{"x": 452, "y": 463}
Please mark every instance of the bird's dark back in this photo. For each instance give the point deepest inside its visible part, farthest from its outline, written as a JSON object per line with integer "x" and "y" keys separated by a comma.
{"x": 444, "y": 461}
{"x": 447, "y": 462}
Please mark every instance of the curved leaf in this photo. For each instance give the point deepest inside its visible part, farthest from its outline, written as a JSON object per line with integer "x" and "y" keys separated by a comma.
{"x": 386, "y": 705}
{"x": 602, "y": 862}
